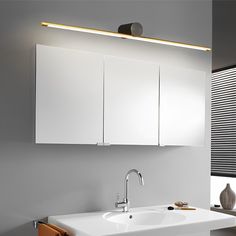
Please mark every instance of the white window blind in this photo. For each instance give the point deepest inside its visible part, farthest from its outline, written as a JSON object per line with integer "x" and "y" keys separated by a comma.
{"x": 223, "y": 122}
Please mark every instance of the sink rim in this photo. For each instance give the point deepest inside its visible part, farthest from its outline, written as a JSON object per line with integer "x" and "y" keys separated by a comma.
{"x": 79, "y": 224}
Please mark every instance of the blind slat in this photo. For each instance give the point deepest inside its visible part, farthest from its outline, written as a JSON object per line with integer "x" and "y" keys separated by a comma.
{"x": 223, "y": 126}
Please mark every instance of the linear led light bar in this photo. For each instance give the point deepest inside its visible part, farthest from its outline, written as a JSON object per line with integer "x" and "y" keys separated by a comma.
{"x": 125, "y": 36}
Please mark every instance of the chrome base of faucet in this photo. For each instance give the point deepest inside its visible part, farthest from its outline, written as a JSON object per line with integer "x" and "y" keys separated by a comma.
{"x": 124, "y": 205}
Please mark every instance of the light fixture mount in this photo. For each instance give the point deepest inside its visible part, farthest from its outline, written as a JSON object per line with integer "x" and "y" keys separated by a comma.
{"x": 134, "y": 29}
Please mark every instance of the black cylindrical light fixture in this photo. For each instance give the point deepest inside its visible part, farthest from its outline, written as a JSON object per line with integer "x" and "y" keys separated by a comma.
{"x": 134, "y": 29}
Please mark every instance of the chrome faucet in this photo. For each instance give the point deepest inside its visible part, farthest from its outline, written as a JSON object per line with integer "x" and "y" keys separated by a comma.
{"x": 125, "y": 204}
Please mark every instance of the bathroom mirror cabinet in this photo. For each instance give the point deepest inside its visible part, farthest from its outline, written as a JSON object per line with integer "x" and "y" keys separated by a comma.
{"x": 88, "y": 98}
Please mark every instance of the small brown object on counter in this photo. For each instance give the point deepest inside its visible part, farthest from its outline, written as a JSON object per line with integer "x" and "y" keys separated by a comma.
{"x": 181, "y": 204}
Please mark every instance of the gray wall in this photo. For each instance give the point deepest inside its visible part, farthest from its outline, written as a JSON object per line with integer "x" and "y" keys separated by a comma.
{"x": 224, "y": 232}
{"x": 224, "y": 34}
{"x": 41, "y": 180}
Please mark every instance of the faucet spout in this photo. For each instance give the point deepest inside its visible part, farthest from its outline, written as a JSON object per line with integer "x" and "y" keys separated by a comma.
{"x": 141, "y": 182}
{"x": 140, "y": 177}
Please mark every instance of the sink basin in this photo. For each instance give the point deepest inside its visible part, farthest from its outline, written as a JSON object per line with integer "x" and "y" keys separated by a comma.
{"x": 144, "y": 218}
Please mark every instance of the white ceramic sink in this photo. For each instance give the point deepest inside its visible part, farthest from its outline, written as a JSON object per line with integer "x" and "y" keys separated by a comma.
{"x": 143, "y": 221}
{"x": 144, "y": 218}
